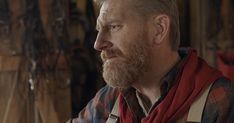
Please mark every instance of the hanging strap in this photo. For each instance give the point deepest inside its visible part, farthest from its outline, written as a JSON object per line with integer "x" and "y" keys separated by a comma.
{"x": 196, "y": 109}
{"x": 114, "y": 115}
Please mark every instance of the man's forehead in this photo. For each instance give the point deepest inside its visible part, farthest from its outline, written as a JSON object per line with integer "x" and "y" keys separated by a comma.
{"x": 111, "y": 12}
{"x": 105, "y": 12}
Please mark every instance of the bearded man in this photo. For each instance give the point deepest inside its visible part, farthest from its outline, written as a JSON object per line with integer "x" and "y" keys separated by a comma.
{"x": 149, "y": 79}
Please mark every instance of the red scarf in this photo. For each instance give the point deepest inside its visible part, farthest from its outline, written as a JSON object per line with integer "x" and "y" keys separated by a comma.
{"x": 193, "y": 78}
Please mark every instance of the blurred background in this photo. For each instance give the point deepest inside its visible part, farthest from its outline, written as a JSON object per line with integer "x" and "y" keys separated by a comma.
{"x": 49, "y": 69}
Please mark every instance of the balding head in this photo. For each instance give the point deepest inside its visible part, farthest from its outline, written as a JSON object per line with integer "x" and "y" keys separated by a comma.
{"x": 146, "y": 8}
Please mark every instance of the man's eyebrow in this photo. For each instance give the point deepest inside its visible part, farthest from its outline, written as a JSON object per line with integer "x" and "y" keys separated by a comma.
{"x": 98, "y": 24}
{"x": 113, "y": 20}
{"x": 106, "y": 22}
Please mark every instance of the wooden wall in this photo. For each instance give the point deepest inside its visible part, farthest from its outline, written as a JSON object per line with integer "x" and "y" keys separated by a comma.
{"x": 49, "y": 100}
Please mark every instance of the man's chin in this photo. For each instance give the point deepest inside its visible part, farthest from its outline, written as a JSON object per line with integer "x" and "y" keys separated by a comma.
{"x": 112, "y": 64}
{"x": 117, "y": 77}
{"x": 118, "y": 73}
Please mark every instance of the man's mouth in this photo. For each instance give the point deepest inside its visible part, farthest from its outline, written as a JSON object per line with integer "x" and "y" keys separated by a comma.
{"x": 109, "y": 58}
{"x": 106, "y": 56}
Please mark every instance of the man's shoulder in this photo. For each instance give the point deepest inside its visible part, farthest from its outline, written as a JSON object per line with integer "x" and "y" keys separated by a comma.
{"x": 98, "y": 109}
{"x": 107, "y": 94}
{"x": 220, "y": 102}
{"x": 222, "y": 93}
{"x": 222, "y": 89}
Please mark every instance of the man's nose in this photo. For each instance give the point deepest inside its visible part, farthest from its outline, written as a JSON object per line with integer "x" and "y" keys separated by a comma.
{"x": 102, "y": 42}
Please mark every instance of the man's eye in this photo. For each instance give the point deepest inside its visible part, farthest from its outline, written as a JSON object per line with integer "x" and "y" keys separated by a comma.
{"x": 114, "y": 27}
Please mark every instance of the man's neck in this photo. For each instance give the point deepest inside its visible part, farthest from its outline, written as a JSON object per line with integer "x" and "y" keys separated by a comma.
{"x": 149, "y": 84}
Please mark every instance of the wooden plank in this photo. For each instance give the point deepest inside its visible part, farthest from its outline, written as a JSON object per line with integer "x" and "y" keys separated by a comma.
{"x": 9, "y": 63}
{"x": 12, "y": 102}
{"x": 11, "y": 99}
{"x": 195, "y": 24}
{"x": 53, "y": 97}
{"x": 49, "y": 94}
{"x": 17, "y": 27}
{"x": 199, "y": 15}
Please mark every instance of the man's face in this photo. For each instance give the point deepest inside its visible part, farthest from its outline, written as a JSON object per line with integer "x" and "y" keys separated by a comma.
{"x": 123, "y": 42}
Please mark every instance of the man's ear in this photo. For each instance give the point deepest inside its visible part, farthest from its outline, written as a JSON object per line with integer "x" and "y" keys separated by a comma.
{"x": 161, "y": 27}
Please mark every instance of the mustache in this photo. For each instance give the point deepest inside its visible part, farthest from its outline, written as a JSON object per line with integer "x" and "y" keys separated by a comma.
{"x": 107, "y": 54}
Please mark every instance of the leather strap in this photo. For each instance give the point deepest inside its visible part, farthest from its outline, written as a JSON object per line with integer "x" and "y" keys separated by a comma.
{"x": 114, "y": 115}
{"x": 196, "y": 109}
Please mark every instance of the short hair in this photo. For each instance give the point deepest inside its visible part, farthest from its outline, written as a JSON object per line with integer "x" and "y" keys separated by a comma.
{"x": 168, "y": 7}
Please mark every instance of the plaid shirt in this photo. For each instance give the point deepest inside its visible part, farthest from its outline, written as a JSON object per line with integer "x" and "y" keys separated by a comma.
{"x": 219, "y": 106}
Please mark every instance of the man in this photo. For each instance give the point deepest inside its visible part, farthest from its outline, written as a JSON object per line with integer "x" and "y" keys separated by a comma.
{"x": 153, "y": 80}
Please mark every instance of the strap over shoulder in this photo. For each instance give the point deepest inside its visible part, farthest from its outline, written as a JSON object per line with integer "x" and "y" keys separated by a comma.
{"x": 196, "y": 109}
{"x": 114, "y": 115}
